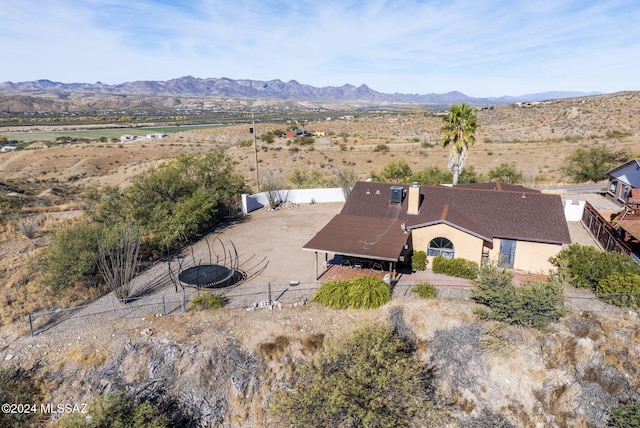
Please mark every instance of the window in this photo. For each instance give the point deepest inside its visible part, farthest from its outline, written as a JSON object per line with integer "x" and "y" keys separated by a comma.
{"x": 624, "y": 193}
{"x": 612, "y": 186}
{"x": 441, "y": 247}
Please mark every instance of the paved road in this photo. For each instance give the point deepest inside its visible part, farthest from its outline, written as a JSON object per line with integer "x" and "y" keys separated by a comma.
{"x": 577, "y": 188}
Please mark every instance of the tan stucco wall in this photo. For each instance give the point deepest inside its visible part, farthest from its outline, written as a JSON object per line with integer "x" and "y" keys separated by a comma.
{"x": 466, "y": 246}
{"x": 530, "y": 256}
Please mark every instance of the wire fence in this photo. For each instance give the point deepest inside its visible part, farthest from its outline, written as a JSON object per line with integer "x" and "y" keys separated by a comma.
{"x": 111, "y": 309}
{"x": 248, "y": 296}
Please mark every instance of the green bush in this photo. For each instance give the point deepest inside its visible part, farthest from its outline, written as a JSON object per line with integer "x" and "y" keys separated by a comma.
{"x": 71, "y": 257}
{"x": 365, "y": 292}
{"x": 372, "y": 379}
{"x": 585, "y": 266}
{"x": 620, "y": 289}
{"x": 506, "y": 173}
{"x": 535, "y": 304}
{"x": 418, "y": 261}
{"x": 118, "y": 410}
{"x": 206, "y": 301}
{"x": 460, "y": 268}
{"x": 176, "y": 202}
{"x": 590, "y": 164}
{"x": 425, "y": 290}
{"x": 625, "y": 416}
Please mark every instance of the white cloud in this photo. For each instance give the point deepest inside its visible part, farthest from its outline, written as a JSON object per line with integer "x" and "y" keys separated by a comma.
{"x": 486, "y": 48}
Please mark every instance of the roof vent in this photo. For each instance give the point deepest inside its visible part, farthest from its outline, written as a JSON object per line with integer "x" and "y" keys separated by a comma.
{"x": 396, "y": 194}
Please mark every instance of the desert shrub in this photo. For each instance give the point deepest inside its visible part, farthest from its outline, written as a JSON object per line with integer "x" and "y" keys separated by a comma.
{"x": 585, "y": 266}
{"x": 535, "y": 304}
{"x": 371, "y": 379}
{"x": 418, "y": 261}
{"x": 381, "y": 148}
{"x": 268, "y": 138}
{"x": 271, "y": 350}
{"x": 470, "y": 175}
{"x": 305, "y": 140}
{"x": 425, "y": 290}
{"x": 70, "y": 259}
{"x": 308, "y": 180}
{"x": 614, "y": 133}
{"x": 432, "y": 175}
{"x": 176, "y": 202}
{"x": 590, "y": 164}
{"x": 9, "y": 209}
{"x": 365, "y": 292}
{"x": 625, "y": 416}
{"x": 506, "y": 173}
{"x": 620, "y": 289}
{"x": 206, "y": 301}
{"x": 118, "y": 410}
{"x": 18, "y": 387}
{"x": 395, "y": 172}
{"x": 460, "y": 268}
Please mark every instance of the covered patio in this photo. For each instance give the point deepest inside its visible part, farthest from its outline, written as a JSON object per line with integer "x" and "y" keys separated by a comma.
{"x": 360, "y": 245}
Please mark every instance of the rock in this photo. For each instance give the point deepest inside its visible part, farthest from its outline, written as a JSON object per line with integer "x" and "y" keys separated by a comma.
{"x": 146, "y": 332}
{"x": 9, "y": 357}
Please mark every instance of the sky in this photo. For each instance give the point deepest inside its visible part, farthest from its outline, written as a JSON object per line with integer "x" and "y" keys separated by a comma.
{"x": 486, "y": 48}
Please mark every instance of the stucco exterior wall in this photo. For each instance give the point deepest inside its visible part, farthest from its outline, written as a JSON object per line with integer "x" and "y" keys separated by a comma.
{"x": 466, "y": 246}
{"x": 530, "y": 256}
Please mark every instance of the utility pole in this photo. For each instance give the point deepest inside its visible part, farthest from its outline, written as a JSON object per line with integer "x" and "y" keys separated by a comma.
{"x": 255, "y": 149}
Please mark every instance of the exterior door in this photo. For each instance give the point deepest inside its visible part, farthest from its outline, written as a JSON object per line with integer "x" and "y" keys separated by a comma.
{"x": 507, "y": 253}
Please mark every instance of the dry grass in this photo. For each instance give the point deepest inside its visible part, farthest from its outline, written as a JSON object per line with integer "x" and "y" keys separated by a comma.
{"x": 86, "y": 356}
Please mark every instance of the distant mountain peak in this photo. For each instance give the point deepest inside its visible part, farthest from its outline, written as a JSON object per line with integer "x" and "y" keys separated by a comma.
{"x": 224, "y": 87}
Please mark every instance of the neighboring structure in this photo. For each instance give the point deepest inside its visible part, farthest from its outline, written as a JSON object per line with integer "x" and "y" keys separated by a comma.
{"x": 511, "y": 225}
{"x": 619, "y": 231}
{"x": 622, "y": 179}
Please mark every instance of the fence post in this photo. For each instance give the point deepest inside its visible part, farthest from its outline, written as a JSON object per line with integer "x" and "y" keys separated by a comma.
{"x": 184, "y": 302}
{"x": 164, "y": 306}
{"x": 30, "y": 325}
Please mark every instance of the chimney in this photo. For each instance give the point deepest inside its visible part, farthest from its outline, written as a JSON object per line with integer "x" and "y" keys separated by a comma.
{"x": 413, "y": 205}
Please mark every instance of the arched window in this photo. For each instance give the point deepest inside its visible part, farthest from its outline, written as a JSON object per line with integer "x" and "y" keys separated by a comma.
{"x": 441, "y": 247}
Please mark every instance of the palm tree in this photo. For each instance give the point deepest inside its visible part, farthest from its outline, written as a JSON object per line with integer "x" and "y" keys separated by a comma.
{"x": 459, "y": 127}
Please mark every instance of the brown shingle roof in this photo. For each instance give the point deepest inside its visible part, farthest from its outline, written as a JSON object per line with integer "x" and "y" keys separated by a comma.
{"x": 517, "y": 213}
{"x": 361, "y": 236}
{"x": 485, "y": 210}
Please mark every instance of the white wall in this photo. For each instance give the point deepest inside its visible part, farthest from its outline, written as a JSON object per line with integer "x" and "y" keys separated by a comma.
{"x": 573, "y": 210}
{"x": 297, "y": 196}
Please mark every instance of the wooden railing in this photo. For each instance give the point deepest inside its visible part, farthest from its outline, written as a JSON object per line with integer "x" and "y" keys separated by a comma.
{"x": 603, "y": 231}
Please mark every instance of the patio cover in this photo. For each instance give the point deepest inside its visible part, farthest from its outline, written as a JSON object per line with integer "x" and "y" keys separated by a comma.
{"x": 357, "y": 236}
{"x": 632, "y": 227}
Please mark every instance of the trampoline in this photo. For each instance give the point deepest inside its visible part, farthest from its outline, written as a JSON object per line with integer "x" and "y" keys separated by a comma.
{"x": 207, "y": 276}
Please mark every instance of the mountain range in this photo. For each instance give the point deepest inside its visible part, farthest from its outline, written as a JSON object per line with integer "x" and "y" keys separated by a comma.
{"x": 189, "y": 86}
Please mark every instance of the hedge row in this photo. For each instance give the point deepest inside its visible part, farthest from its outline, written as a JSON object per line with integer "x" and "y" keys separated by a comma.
{"x": 460, "y": 268}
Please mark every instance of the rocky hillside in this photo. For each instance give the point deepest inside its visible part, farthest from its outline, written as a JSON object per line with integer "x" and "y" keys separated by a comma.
{"x": 222, "y": 368}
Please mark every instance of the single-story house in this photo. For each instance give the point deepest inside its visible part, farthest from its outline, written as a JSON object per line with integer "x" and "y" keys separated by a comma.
{"x": 511, "y": 225}
{"x": 622, "y": 179}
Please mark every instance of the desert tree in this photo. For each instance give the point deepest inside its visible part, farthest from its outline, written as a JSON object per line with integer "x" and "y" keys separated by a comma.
{"x": 346, "y": 178}
{"x": 118, "y": 249}
{"x": 459, "y": 128}
{"x": 590, "y": 164}
{"x": 506, "y": 173}
{"x": 271, "y": 186}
